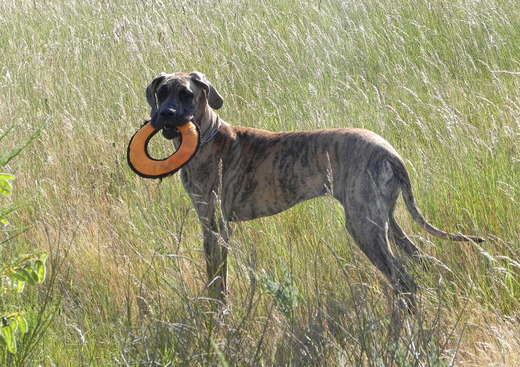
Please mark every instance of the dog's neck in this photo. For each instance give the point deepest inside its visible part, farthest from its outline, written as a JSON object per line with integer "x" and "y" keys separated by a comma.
{"x": 212, "y": 133}
{"x": 210, "y": 127}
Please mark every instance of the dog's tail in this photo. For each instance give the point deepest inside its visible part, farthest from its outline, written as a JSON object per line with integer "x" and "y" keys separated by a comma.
{"x": 406, "y": 190}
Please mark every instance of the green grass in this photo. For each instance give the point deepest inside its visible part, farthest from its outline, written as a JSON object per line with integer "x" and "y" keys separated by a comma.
{"x": 437, "y": 79}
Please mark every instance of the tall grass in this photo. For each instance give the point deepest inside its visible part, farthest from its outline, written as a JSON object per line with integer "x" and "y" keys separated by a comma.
{"x": 438, "y": 79}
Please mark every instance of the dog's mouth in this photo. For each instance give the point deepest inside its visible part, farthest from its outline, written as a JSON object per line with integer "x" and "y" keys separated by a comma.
{"x": 170, "y": 132}
{"x": 170, "y": 128}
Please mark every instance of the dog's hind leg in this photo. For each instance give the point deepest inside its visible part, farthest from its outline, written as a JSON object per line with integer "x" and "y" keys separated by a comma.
{"x": 371, "y": 235}
{"x": 401, "y": 239}
{"x": 368, "y": 204}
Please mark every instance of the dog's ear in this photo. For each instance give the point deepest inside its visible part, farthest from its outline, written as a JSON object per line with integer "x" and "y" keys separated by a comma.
{"x": 150, "y": 92}
{"x": 214, "y": 99}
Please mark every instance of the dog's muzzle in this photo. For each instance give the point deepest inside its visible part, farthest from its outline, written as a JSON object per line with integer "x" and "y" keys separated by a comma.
{"x": 170, "y": 133}
{"x": 168, "y": 120}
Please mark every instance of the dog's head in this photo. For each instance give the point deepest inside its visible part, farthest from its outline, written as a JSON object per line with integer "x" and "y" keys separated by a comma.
{"x": 178, "y": 98}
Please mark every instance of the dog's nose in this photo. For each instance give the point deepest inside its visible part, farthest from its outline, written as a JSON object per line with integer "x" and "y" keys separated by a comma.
{"x": 168, "y": 113}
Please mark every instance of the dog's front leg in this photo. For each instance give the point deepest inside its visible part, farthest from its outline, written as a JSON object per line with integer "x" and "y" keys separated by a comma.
{"x": 215, "y": 233}
{"x": 215, "y": 249}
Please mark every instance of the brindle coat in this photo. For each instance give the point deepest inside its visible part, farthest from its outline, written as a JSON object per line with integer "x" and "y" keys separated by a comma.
{"x": 247, "y": 173}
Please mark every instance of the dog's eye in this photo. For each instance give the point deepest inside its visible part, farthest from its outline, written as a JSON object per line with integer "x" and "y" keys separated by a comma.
{"x": 185, "y": 95}
{"x": 162, "y": 93}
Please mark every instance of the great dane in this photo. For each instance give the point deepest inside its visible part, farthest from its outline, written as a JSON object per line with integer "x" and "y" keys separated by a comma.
{"x": 242, "y": 173}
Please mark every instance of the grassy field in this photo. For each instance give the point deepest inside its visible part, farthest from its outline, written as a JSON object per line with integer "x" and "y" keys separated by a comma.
{"x": 438, "y": 79}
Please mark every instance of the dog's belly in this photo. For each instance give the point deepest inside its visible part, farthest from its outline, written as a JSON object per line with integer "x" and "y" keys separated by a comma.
{"x": 274, "y": 192}
{"x": 258, "y": 209}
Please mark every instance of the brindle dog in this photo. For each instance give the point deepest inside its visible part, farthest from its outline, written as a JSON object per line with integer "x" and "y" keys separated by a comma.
{"x": 244, "y": 173}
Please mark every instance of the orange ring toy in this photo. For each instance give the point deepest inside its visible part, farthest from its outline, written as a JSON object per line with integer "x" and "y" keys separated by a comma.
{"x": 144, "y": 165}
